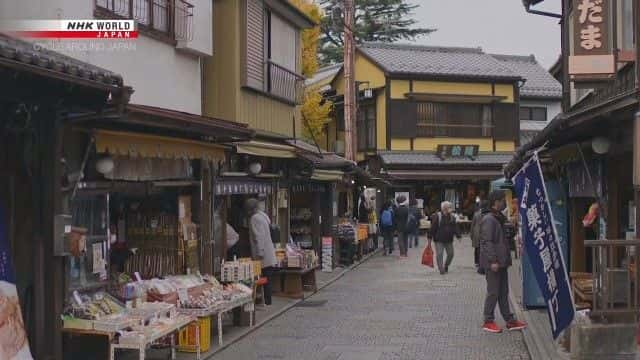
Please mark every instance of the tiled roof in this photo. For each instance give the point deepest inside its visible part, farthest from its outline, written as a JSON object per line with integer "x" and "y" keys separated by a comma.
{"x": 324, "y": 73}
{"x": 539, "y": 82}
{"x": 430, "y": 158}
{"x": 17, "y": 51}
{"x": 437, "y": 61}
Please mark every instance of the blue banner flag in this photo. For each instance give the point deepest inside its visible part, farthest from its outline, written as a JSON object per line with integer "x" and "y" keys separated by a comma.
{"x": 541, "y": 244}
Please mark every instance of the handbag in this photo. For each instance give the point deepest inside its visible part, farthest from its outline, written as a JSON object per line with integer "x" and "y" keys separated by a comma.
{"x": 427, "y": 256}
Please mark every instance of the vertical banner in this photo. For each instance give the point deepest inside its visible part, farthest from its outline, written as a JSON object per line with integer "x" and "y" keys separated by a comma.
{"x": 541, "y": 244}
{"x": 13, "y": 337}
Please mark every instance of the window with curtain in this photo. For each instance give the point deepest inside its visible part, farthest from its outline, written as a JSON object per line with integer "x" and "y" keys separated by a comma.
{"x": 366, "y": 127}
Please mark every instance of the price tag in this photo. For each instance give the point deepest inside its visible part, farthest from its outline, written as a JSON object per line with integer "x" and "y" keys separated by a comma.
{"x": 77, "y": 298}
{"x": 183, "y": 295}
{"x": 137, "y": 276}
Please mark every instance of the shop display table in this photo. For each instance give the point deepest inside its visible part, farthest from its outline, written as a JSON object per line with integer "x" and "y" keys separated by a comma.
{"x": 142, "y": 343}
{"x": 219, "y": 311}
{"x": 293, "y": 282}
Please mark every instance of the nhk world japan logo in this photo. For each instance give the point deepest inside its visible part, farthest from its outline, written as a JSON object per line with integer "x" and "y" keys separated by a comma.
{"x": 71, "y": 29}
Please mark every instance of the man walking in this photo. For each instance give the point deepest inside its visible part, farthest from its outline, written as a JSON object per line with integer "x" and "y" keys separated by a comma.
{"x": 495, "y": 259}
{"x": 401, "y": 218}
{"x": 443, "y": 229}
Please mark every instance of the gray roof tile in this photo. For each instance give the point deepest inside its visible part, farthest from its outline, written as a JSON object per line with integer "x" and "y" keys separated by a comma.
{"x": 437, "y": 61}
{"x": 430, "y": 158}
{"x": 24, "y": 52}
{"x": 539, "y": 82}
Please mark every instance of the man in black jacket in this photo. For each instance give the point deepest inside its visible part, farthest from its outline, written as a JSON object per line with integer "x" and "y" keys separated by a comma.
{"x": 495, "y": 259}
{"x": 401, "y": 217}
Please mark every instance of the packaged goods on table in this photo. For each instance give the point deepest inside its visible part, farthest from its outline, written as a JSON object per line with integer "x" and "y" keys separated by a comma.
{"x": 96, "y": 311}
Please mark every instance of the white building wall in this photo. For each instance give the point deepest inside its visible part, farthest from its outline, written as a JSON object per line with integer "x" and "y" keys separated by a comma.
{"x": 160, "y": 74}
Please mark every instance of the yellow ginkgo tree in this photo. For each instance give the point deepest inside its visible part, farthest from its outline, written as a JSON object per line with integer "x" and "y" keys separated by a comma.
{"x": 315, "y": 110}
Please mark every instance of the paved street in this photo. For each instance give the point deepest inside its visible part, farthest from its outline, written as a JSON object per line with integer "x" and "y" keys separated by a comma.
{"x": 387, "y": 309}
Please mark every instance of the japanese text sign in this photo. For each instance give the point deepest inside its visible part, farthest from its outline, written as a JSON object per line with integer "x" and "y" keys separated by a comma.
{"x": 591, "y": 27}
{"x": 541, "y": 244}
{"x": 592, "y": 53}
{"x": 446, "y": 151}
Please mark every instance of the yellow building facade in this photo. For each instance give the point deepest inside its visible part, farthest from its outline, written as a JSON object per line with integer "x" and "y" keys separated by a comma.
{"x": 436, "y": 117}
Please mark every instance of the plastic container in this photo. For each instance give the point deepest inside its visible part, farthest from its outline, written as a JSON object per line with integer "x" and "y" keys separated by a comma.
{"x": 187, "y": 336}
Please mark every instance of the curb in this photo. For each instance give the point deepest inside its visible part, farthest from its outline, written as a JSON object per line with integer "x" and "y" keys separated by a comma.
{"x": 290, "y": 306}
{"x": 528, "y": 335}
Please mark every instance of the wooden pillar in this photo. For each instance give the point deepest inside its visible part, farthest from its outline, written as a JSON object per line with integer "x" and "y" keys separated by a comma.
{"x": 636, "y": 170}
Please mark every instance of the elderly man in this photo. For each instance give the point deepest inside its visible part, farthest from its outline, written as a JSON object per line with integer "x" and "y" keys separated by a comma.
{"x": 261, "y": 244}
{"x": 443, "y": 229}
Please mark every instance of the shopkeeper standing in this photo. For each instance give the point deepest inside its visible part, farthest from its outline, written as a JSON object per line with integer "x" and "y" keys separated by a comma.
{"x": 261, "y": 244}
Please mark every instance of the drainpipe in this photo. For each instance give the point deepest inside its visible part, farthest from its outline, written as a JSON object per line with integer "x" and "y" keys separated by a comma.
{"x": 636, "y": 171}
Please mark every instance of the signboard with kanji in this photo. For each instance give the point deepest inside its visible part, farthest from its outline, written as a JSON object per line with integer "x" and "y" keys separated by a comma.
{"x": 452, "y": 151}
{"x": 542, "y": 246}
{"x": 592, "y": 53}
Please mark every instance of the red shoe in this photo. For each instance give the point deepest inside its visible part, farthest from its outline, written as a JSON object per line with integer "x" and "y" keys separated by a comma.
{"x": 491, "y": 327}
{"x": 516, "y": 325}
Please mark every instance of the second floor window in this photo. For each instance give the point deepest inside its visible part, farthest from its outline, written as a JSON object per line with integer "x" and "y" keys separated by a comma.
{"x": 170, "y": 19}
{"x": 271, "y": 54}
{"x": 454, "y": 120}
{"x": 366, "y": 127}
{"x": 533, "y": 113}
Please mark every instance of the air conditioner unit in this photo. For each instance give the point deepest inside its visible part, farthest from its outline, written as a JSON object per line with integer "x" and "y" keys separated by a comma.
{"x": 338, "y": 147}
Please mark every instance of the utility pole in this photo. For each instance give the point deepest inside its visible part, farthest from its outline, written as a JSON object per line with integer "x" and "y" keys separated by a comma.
{"x": 350, "y": 146}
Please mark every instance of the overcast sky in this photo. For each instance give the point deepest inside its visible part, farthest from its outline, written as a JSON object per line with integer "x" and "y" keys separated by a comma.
{"x": 498, "y": 26}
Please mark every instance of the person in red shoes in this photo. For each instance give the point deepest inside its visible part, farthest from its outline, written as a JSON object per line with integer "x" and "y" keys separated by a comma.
{"x": 495, "y": 259}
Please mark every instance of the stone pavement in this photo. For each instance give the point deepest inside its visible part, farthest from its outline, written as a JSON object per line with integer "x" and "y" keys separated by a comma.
{"x": 387, "y": 309}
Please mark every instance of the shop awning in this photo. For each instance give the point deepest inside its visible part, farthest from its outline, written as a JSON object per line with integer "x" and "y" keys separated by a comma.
{"x": 327, "y": 175}
{"x": 445, "y": 174}
{"x": 265, "y": 149}
{"x": 152, "y": 146}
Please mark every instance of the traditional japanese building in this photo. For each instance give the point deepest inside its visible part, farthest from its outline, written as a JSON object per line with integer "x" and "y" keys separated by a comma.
{"x": 438, "y": 122}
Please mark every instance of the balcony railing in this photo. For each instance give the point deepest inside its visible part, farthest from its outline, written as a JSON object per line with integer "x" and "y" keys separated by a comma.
{"x": 173, "y": 18}
{"x": 615, "y": 283}
{"x": 284, "y": 83}
{"x": 454, "y": 130}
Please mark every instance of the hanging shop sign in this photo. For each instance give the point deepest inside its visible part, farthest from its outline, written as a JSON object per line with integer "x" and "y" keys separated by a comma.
{"x": 542, "y": 245}
{"x": 457, "y": 151}
{"x": 14, "y": 344}
{"x": 592, "y": 56}
{"x": 308, "y": 187}
{"x": 239, "y": 187}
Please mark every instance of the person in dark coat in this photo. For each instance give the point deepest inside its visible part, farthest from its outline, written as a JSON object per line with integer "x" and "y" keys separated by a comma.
{"x": 495, "y": 259}
{"x": 443, "y": 229}
{"x": 475, "y": 234}
{"x": 415, "y": 223}
{"x": 400, "y": 219}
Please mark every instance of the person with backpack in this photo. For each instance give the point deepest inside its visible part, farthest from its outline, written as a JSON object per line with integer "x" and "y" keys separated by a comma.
{"x": 401, "y": 221}
{"x": 387, "y": 227}
{"x": 443, "y": 229}
{"x": 413, "y": 222}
